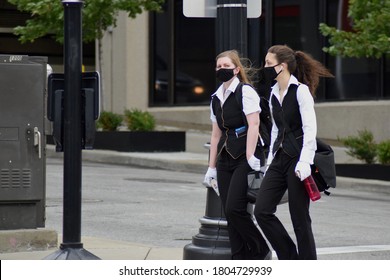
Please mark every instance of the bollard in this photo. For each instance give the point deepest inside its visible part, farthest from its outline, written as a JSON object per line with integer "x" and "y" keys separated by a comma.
{"x": 212, "y": 241}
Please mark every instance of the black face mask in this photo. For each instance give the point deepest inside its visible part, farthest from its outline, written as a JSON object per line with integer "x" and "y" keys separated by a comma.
{"x": 269, "y": 73}
{"x": 225, "y": 74}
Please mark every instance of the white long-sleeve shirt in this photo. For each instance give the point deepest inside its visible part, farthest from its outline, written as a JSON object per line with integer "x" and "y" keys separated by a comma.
{"x": 308, "y": 116}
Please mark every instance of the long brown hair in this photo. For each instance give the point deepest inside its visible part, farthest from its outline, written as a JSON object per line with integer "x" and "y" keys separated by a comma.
{"x": 246, "y": 73}
{"x": 301, "y": 65}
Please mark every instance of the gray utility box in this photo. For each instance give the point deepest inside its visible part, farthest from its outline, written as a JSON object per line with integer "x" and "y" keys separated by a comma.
{"x": 22, "y": 141}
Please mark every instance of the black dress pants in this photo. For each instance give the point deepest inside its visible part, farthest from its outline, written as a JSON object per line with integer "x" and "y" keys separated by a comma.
{"x": 279, "y": 177}
{"x": 246, "y": 241}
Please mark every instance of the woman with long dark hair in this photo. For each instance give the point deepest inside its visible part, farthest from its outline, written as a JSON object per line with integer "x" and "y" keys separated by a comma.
{"x": 292, "y": 105}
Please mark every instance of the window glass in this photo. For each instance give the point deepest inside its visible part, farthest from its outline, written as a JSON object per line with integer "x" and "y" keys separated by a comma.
{"x": 160, "y": 58}
{"x": 195, "y": 58}
{"x": 387, "y": 77}
{"x": 184, "y": 52}
{"x": 287, "y": 24}
{"x": 10, "y": 17}
{"x": 187, "y": 61}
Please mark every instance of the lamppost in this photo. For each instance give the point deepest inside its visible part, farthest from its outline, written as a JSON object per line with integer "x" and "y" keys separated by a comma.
{"x": 71, "y": 247}
{"x": 231, "y": 26}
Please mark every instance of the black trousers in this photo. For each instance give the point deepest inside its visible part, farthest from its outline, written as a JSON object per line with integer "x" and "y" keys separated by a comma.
{"x": 279, "y": 177}
{"x": 246, "y": 240}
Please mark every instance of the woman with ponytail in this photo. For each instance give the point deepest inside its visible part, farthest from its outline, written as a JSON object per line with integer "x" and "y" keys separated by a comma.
{"x": 292, "y": 105}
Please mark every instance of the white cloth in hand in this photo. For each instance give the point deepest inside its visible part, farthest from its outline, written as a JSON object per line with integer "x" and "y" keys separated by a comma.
{"x": 210, "y": 174}
{"x": 302, "y": 170}
{"x": 254, "y": 163}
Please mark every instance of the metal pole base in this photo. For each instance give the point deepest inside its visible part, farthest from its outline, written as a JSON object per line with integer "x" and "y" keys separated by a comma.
{"x": 71, "y": 253}
{"x": 192, "y": 252}
{"x": 211, "y": 243}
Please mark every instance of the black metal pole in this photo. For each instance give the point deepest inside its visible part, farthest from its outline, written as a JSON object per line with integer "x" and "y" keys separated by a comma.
{"x": 72, "y": 124}
{"x": 71, "y": 248}
{"x": 231, "y": 26}
{"x": 269, "y": 24}
{"x": 212, "y": 242}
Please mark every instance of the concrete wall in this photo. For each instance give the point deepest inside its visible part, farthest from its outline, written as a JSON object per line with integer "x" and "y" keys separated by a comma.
{"x": 341, "y": 119}
{"x": 335, "y": 119}
{"x": 125, "y": 64}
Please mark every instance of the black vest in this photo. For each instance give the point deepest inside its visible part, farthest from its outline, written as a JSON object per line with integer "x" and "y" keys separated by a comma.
{"x": 229, "y": 117}
{"x": 287, "y": 113}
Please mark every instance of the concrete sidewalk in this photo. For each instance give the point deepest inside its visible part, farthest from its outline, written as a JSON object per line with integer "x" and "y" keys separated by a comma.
{"x": 194, "y": 160}
{"x": 105, "y": 249}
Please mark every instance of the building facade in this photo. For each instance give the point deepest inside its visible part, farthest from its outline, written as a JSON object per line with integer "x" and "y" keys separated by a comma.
{"x": 165, "y": 63}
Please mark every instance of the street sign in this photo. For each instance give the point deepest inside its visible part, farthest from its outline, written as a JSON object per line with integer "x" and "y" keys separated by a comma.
{"x": 208, "y": 8}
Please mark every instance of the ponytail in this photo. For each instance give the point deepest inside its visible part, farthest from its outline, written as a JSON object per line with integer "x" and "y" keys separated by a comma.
{"x": 308, "y": 71}
{"x": 301, "y": 65}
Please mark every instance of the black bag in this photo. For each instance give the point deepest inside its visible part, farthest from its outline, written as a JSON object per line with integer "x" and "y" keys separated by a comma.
{"x": 324, "y": 168}
{"x": 254, "y": 182}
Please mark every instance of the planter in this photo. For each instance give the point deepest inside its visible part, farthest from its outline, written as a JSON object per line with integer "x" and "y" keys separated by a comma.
{"x": 141, "y": 141}
{"x": 138, "y": 141}
{"x": 364, "y": 171}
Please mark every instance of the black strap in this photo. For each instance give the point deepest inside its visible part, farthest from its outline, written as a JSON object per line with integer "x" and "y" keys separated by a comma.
{"x": 213, "y": 104}
{"x": 238, "y": 96}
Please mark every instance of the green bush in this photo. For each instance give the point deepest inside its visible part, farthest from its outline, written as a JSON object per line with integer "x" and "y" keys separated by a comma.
{"x": 383, "y": 152}
{"x": 109, "y": 121}
{"x": 138, "y": 120}
{"x": 362, "y": 146}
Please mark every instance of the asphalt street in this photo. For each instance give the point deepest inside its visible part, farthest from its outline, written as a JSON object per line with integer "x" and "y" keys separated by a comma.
{"x": 162, "y": 208}
{"x": 147, "y": 206}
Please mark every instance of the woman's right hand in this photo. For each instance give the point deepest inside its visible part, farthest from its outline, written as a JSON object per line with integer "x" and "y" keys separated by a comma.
{"x": 302, "y": 170}
{"x": 210, "y": 174}
{"x": 254, "y": 163}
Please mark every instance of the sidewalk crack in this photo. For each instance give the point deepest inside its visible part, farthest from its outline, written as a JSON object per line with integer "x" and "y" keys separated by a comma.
{"x": 147, "y": 254}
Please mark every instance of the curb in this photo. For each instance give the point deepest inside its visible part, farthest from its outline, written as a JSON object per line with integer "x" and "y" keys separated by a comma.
{"x": 177, "y": 161}
{"x": 364, "y": 184}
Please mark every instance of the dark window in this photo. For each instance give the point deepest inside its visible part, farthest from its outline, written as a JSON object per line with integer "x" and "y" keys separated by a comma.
{"x": 183, "y": 58}
{"x": 386, "y": 77}
{"x": 10, "y": 17}
{"x": 183, "y": 51}
{"x": 287, "y": 28}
